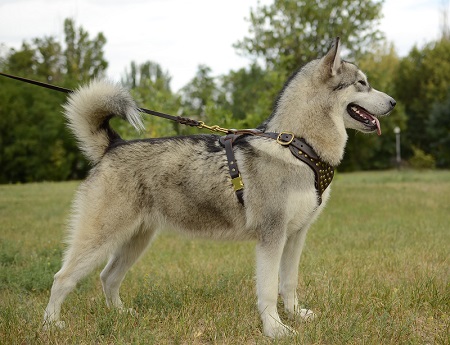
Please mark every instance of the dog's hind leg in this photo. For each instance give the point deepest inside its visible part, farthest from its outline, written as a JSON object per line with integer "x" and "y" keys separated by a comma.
{"x": 79, "y": 262}
{"x": 95, "y": 235}
{"x": 120, "y": 262}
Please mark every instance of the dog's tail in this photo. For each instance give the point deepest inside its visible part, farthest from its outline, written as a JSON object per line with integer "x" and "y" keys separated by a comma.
{"x": 89, "y": 110}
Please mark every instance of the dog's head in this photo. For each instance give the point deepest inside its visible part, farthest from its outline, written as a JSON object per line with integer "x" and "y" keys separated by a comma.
{"x": 359, "y": 103}
{"x": 325, "y": 97}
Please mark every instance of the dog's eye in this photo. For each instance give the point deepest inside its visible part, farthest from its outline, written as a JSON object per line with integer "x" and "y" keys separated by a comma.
{"x": 362, "y": 82}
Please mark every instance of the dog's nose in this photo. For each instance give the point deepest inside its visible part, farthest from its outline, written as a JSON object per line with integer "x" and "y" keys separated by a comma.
{"x": 393, "y": 102}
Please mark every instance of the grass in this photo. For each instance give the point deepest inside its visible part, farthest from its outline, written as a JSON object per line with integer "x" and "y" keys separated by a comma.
{"x": 375, "y": 269}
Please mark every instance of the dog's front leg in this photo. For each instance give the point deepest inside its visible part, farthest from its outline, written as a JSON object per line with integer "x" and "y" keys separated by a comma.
{"x": 268, "y": 256}
{"x": 289, "y": 274}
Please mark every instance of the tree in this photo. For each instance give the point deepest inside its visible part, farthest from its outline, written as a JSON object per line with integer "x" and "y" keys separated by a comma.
{"x": 35, "y": 144}
{"x": 198, "y": 91}
{"x": 83, "y": 57}
{"x": 290, "y": 33}
{"x": 438, "y": 128}
{"x": 422, "y": 79}
{"x": 248, "y": 95}
{"x": 250, "y": 91}
{"x": 150, "y": 87}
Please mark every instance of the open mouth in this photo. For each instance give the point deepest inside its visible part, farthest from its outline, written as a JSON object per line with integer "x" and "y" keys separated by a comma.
{"x": 362, "y": 115}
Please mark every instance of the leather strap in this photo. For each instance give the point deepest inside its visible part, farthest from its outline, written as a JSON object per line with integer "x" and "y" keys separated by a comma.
{"x": 301, "y": 150}
{"x": 235, "y": 175}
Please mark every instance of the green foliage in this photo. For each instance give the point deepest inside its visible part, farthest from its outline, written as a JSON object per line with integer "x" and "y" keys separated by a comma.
{"x": 438, "y": 129}
{"x": 34, "y": 143}
{"x": 288, "y": 33}
{"x": 250, "y": 93}
{"x": 198, "y": 91}
{"x": 150, "y": 87}
{"x": 83, "y": 57}
{"x": 423, "y": 79}
{"x": 421, "y": 160}
{"x": 241, "y": 99}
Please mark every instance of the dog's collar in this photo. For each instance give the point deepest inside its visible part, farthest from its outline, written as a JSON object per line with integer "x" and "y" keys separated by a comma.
{"x": 301, "y": 150}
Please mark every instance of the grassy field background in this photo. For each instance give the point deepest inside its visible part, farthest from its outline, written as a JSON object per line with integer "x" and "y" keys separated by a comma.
{"x": 375, "y": 269}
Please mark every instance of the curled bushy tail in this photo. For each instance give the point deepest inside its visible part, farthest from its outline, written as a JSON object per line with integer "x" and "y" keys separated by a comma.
{"x": 89, "y": 110}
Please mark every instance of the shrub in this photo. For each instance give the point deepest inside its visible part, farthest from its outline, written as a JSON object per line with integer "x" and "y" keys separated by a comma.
{"x": 421, "y": 160}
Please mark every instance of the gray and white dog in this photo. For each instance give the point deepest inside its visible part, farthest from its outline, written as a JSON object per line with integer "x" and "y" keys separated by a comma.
{"x": 137, "y": 188}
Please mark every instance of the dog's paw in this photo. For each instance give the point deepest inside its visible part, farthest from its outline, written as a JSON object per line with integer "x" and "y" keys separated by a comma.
{"x": 307, "y": 314}
{"x": 49, "y": 325}
{"x": 278, "y": 330}
{"x": 129, "y": 311}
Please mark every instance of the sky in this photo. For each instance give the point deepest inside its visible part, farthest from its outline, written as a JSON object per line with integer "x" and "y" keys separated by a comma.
{"x": 180, "y": 34}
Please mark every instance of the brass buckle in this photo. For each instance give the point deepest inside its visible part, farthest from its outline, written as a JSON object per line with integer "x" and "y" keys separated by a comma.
{"x": 237, "y": 183}
{"x": 285, "y": 143}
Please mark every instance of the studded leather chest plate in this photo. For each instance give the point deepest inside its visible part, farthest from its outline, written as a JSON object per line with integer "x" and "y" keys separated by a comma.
{"x": 323, "y": 171}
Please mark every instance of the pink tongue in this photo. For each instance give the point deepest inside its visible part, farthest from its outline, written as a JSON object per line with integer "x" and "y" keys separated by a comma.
{"x": 378, "y": 126}
{"x": 377, "y": 123}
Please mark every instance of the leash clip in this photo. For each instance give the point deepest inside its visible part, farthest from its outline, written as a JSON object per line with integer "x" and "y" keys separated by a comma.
{"x": 285, "y": 143}
{"x": 214, "y": 128}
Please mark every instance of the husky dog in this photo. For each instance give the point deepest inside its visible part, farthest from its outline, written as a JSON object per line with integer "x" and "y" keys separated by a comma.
{"x": 139, "y": 187}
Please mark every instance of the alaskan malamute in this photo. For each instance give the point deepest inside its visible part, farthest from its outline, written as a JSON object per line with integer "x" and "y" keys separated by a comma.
{"x": 137, "y": 188}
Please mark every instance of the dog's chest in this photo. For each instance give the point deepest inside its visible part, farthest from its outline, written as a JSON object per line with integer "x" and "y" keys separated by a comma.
{"x": 301, "y": 207}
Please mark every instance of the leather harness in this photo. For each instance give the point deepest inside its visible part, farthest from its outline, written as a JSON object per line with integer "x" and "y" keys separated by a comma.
{"x": 323, "y": 171}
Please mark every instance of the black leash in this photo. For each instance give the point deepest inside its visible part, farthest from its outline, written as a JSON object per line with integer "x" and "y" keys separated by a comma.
{"x": 182, "y": 120}
{"x": 298, "y": 146}
{"x": 38, "y": 83}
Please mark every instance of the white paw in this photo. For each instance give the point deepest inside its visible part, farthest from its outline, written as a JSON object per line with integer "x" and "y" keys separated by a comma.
{"x": 307, "y": 314}
{"x": 278, "y": 330}
{"x": 49, "y": 325}
{"x": 130, "y": 311}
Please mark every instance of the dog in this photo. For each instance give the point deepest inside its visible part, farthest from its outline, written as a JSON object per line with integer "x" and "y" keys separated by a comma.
{"x": 137, "y": 188}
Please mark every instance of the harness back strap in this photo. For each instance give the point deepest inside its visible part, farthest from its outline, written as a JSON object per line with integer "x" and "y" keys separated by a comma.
{"x": 236, "y": 179}
{"x": 301, "y": 150}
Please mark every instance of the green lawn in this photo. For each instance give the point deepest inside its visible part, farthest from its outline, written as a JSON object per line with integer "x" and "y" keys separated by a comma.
{"x": 375, "y": 269}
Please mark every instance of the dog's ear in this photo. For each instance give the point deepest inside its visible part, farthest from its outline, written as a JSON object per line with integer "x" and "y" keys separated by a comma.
{"x": 332, "y": 60}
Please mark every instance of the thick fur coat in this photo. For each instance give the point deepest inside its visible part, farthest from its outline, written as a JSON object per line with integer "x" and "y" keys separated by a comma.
{"x": 137, "y": 188}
